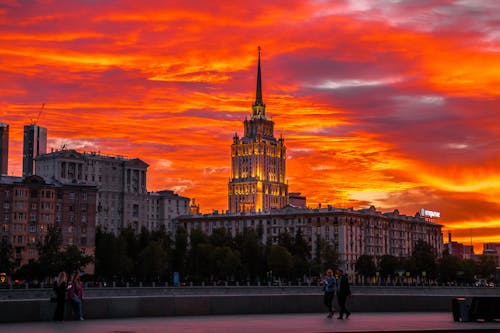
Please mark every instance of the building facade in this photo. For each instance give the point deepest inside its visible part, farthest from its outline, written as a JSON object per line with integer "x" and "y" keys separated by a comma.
{"x": 163, "y": 207}
{"x": 258, "y": 181}
{"x": 121, "y": 183}
{"x": 459, "y": 250}
{"x": 296, "y": 199}
{"x": 492, "y": 249}
{"x": 34, "y": 144}
{"x": 4, "y": 149}
{"x": 351, "y": 232}
{"x": 30, "y": 205}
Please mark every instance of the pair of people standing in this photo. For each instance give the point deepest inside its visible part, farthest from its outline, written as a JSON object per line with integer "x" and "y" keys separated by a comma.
{"x": 341, "y": 285}
{"x": 72, "y": 291}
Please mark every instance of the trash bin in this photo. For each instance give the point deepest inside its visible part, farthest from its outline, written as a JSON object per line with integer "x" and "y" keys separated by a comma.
{"x": 460, "y": 309}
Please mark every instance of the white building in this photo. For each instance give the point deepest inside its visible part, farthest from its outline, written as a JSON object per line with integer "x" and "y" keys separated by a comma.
{"x": 163, "y": 207}
{"x": 352, "y": 232}
{"x": 121, "y": 184}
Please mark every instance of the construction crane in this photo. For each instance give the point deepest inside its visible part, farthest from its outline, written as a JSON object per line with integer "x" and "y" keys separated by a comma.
{"x": 34, "y": 122}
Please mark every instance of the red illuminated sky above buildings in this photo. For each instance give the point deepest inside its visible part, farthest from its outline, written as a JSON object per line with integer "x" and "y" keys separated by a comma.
{"x": 392, "y": 104}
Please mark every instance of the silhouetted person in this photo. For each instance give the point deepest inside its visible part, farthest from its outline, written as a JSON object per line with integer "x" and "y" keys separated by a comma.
{"x": 329, "y": 285}
{"x": 60, "y": 289}
{"x": 343, "y": 292}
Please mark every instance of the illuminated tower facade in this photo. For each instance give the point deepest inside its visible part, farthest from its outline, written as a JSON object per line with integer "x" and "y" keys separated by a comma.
{"x": 258, "y": 160}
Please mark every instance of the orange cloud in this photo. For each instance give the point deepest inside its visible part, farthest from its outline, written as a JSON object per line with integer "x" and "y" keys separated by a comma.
{"x": 389, "y": 106}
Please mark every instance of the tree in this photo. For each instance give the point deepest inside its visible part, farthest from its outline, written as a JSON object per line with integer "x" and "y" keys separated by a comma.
{"x": 300, "y": 267}
{"x": 180, "y": 251}
{"x": 205, "y": 261}
{"x": 468, "y": 267}
{"x": 252, "y": 253}
{"x": 111, "y": 259}
{"x": 29, "y": 271}
{"x": 486, "y": 266}
{"x": 365, "y": 266}
{"x": 7, "y": 262}
{"x": 330, "y": 257}
{"x": 300, "y": 246}
{"x": 49, "y": 254}
{"x": 197, "y": 256}
{"x": 152, "y": 263}
{"x": 388, "y": 265}
{"x": 286, "y": 240}
{"x": 280, "y": 261}
{"x": 227, "y": 262}
{"x": 129, "y": 241}
{"x": 423, "y": 259}
{"x": 221, "y": 237}
{"x": 72, "y": 260}
{"x": 448, "y": 268}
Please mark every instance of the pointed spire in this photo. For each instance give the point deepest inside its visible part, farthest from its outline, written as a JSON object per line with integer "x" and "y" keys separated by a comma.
{"x": 259, "y": 108}
{"x": 258, "y": 94}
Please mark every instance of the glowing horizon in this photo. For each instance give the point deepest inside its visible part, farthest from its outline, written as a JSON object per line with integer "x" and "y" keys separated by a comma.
{"x": 380, "y": 103}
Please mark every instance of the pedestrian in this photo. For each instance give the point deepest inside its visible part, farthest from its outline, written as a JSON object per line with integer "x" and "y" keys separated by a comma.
{"x": 329, "y": 285}
{"x": 76, "y": 293}
{"x": 60, "y": 290}
{"x": 343, "y": 291}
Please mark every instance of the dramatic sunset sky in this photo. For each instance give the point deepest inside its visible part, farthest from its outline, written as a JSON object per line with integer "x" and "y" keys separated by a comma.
{"x": 387, "y": 103}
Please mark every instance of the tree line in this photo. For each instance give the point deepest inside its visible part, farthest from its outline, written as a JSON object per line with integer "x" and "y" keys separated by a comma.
{"x": 196, "y": 257}
{"x": 52, "y": 259}
{"x": 155, "y": 256}
{"x": 424, "y": 263}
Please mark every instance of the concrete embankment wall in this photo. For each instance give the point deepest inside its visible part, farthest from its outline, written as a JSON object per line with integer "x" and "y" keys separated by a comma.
{"x": 225, "y": 303}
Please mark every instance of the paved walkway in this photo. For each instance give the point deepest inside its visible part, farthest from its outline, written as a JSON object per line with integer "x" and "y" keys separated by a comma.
{"x": 288, "y": 323}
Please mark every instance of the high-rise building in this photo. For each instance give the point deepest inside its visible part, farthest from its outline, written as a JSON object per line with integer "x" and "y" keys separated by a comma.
{"x": 4, "y": 149}
{"x": 121, "y": 183}
{"x": 31, "y": 205}
{"x": 257, "y": 181}
{"x": 164, "y": 206}
{"x": 34, "y": 144}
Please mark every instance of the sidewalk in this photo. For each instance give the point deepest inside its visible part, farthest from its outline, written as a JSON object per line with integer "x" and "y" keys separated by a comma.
{"x": 288, "y": 323}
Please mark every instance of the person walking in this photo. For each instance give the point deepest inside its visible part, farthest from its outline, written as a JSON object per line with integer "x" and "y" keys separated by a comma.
{"x": 76, "y": 293}
{"x": 329, "y": 285}
{"x": 60, "y": 290}
{"x": 344, "y": 290}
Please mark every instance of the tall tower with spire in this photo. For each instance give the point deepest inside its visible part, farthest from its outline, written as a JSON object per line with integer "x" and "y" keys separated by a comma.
{"x": 258, "y": 161}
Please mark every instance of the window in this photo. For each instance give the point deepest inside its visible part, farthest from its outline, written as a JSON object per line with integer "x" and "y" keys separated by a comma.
{"x": 135, "y": 210}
